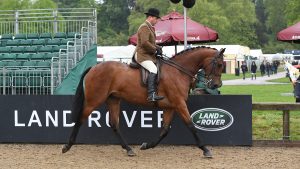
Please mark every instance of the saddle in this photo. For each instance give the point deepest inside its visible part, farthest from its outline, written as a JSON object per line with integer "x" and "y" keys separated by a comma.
{"x": 144, "y": 72}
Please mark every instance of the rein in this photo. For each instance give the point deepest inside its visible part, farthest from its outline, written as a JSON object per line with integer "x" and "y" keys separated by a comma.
{"x": 170, "y": 62}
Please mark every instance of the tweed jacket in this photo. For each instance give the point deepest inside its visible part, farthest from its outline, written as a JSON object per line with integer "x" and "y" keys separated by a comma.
{"x": 146, "y": 47}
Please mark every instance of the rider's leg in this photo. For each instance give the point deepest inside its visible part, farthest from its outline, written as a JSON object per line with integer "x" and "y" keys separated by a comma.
{"x": 151, "y": 67}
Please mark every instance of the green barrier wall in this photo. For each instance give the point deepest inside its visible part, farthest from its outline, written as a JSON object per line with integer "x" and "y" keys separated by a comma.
{"x": 69, "y": 84}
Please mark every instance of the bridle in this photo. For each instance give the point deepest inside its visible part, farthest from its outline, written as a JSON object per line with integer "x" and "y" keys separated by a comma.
{"x": 206, "y": 80}
{"x": 214, "y": 62}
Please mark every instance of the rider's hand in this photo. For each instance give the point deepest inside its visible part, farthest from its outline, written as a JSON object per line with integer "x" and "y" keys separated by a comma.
{"x": 158, "y": 51}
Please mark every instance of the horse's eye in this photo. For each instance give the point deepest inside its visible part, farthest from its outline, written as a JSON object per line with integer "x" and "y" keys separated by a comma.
{"x": 220, "y": 65}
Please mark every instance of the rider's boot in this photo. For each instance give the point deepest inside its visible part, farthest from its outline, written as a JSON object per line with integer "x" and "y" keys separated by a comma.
{"x": 152, "y": 97}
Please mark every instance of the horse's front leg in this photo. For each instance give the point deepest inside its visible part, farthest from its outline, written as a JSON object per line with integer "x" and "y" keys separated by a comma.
{"x": 167, "y": 118}
{"x": 113, "y": 104}
{"x": 185, "y": 116}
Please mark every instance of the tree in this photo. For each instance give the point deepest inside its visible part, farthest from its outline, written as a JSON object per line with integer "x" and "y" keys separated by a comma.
{"x": 260, "y": 27}
{"x": 15, "y": 4}
{"x": 137, "y": 15}
{"x": 292, "y": 12}
{"x": 112, "y": 21}
{"x": 44, "y": 4}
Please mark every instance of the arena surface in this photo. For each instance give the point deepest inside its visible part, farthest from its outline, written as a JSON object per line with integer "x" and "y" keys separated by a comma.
{"x": 174, "y": 157}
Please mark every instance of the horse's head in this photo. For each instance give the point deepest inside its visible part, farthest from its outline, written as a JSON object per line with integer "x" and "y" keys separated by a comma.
{"x": 213, "y": 67}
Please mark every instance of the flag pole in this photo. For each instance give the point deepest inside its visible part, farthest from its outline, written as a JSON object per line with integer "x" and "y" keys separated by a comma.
{"x": 185, "y": 33}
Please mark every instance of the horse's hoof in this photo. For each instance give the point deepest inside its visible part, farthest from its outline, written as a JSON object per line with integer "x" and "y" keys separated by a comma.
{"x": 130, "y": 153}
{"x": 207, "y": 154}
{"x": 144, "y": 146}
{"x": 65, "y": 148}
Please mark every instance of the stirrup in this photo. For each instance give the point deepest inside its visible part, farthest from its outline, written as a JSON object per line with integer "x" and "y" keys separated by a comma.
{"x": 153, "y": 97}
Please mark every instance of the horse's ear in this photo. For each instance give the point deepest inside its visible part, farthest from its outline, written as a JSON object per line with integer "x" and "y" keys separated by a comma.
{"x": 222, "y": 51}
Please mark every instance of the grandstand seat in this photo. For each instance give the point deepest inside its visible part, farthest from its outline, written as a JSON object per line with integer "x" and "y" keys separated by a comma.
{"x": 5, "y": 49}
{"x": 65, "y": 41}
{"x": 73, "y": 34}
{"x": 53, "y": 42}
{"x": 30, "y": 49}
{"x": 17, "y": 49}
{"x": 37, "y": 56}
{"x": 8, "y": 56}
{"x": 7, "y": 81}
{"x": 45, "y": 49}
{"x": 21, "y": 36}
{"x": 23, "y": 56}
{"x": 25, "y": 42}
{"x": 14, "y": 64}
{"x": 35, "y": 81}
{"x": 19, "y": 81}
{"x": 46, "y": 36}
{"x": 40, "y": 42}
{"x": 57, "y": 48}
{"x": 2, "y": 64}
{"x": 29, "y": 63}
{"x": 33, "y": 36}
{"x": 60, "y": 35}
{"x": 12, "y": 42}
{"x": 6, "y": 36}
{"x": 44, "y": 64}
{"x": 49, "y": 56}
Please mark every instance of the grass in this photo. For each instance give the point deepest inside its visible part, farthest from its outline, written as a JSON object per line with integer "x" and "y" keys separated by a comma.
{"x": 267, "y": 125}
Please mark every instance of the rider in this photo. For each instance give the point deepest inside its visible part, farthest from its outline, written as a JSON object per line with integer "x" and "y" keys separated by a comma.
{"x": 146, "y": 51}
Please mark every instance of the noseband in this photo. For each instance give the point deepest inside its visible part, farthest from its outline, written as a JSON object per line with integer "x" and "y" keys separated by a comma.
{"x": 214, "y": 61}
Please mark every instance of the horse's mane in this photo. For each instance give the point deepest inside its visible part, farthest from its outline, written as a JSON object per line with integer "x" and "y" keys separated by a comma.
{"x": 191, "y": 49}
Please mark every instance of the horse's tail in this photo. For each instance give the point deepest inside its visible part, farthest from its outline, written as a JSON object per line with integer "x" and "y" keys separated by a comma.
{"x": 78, "y": 101}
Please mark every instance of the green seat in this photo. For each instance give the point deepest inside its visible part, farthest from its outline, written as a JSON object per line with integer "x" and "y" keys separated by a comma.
{"x": 40, "y": 42}
{"x": 65, "y": 41}
{"x": 19, "y": 81}
{"x": 14, "y": 63}
{"x": 29, "y": 63}
{"x": 8, "y": 56}
{"x": 31, "y": 49}
{"x": 12, "y": 42}
{"x": 73, "y": 35}
{"x": 53, "y": 42}
{"x": 46, "y": 36}
{"x": 23, "y": 56}
{"x": 5, "y": 49}
{"x": 17, "y": 49}
{"x": 7, "y": 81}
{"x": 7, "y": 36}
{"x": 60, "y": 35}
{"x": 49, "y": 56}
{"x": 33, "y": 36}
{"x": 2, "y": 64}
{"x": 46, "y": 64}
{"x": 21, "y": 36}
{"x": 35, "y": 81}
{"x": 38, "y": 56}
{"x": 57, "y": 48}
{"x": 25, "y": 42}
{"x": 45, "y": 49}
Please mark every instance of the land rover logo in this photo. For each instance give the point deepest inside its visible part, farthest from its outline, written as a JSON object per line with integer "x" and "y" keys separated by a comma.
{"x": 212, "y": 119}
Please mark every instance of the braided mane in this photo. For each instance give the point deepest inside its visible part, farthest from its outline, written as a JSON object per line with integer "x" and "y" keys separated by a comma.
{"x": 191, "y": 49}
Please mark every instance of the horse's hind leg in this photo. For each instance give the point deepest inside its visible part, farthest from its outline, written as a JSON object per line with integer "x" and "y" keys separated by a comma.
{"x": 167, "y": 118}
{"x": 185, "y": 116}
{"x": 72, "y": 138}
{"x": 113, "y": 104}
{"x": 86, "y": 112}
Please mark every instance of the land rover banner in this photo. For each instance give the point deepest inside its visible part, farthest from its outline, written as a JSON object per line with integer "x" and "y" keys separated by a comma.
{"x": 220, "y": 120}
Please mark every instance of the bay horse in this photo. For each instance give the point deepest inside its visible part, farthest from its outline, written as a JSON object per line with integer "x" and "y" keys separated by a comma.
{"x": 110, "y": 82}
